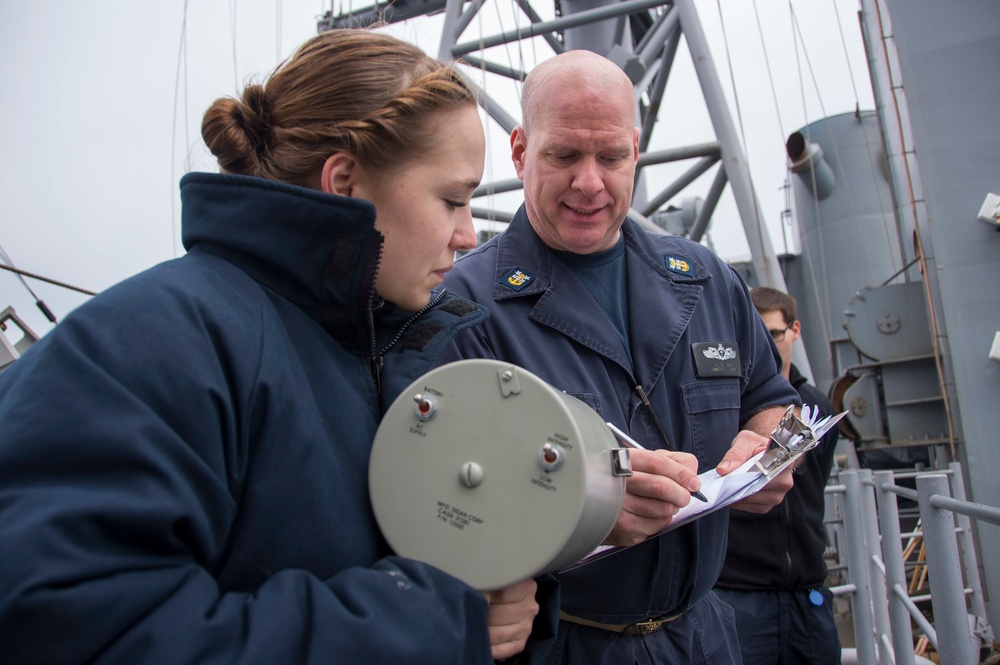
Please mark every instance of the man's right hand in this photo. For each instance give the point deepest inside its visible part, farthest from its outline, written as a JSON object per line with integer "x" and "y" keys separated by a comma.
{"x": 661, "y": 484}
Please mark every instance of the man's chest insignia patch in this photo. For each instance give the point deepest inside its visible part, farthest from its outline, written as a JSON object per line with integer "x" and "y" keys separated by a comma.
{"x": 716, "y": 359}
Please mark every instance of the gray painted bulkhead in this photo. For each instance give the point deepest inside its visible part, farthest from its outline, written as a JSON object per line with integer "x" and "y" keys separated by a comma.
{"x": 895, "y": 269}
{"x": 934, "y": 68}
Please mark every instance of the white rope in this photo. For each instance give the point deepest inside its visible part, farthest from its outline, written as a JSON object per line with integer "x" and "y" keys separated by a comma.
{"x": 770, "y": 75}
{"x": 278, "y": 10}
{"x": 232, "y": 36}
{"x": 181, "y": 65}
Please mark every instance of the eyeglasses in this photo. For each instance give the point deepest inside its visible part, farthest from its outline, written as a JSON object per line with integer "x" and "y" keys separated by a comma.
{"x": 778, "y": 335}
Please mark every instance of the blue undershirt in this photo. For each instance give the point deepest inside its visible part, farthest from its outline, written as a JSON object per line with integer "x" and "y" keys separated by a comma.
{"x": 604, "y": 276}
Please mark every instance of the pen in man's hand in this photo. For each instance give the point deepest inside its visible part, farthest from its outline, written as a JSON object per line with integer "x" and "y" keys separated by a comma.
{"x": 663, "y": 435}
{"x": 632, "y": 443}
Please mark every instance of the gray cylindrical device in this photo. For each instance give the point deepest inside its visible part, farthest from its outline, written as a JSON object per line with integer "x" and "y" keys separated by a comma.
{"x": 485, "y": 471}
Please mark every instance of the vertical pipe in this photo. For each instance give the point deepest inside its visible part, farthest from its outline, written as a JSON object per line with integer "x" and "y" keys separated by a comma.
{"x": 876, "y": 582}
{"x": 895, "y": 570}
{"x": 837, "y": 510}
{"x": 947, "y": 592}
{"x": 972, "y": 580}
{"x": 857, "y": 568}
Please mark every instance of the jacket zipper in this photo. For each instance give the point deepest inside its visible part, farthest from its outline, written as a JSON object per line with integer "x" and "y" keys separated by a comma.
{"x": 378, "y": 357}
{"x": 786, "y": 518}
{"x": 374, "y": 301}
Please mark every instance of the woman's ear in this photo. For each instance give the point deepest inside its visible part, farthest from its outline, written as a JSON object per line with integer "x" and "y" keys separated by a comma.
{"x": 339, "y": 174}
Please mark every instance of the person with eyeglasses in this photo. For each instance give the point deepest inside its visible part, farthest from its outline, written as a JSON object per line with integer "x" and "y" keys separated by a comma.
{"x": 779, "y": 335}
{"x": 774, "y": 572}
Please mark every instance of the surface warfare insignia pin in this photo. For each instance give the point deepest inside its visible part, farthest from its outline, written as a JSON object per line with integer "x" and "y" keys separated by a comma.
{"x": 720, "y": 352}
{"x": 716, "y": 359}
{"x": 678, "y": 264}
{"x": 517, "y": 279}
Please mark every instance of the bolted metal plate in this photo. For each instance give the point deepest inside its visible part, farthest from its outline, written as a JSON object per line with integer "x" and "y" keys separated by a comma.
{"x": 890, "y": 322}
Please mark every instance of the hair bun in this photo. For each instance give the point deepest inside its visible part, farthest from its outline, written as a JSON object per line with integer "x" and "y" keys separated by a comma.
{"x": 255, "y": 116}
{"x": 237, "y": 131}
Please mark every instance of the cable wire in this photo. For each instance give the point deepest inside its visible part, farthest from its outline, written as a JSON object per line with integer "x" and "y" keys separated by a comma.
{"x": 39, "y": 303}
{"x": 232, "y": 35}
{"x": 278, "y": 10}
{"x": 823, "y": 299}
{"x": 25, "y": 273}
{"x": 181, "y": 60}
{"x": 770, "y": 75}
{"x": 868, "y": 141}
{"x": 6, "y": 259}
{"x": 732, "y": 80}
{"x": 758, "y": 219}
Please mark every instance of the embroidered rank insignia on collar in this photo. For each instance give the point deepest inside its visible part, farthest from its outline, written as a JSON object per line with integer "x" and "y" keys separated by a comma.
{"x": 678, "y": 264}
{"x": 716, "y": 359}
{"x": 517, "y": 279}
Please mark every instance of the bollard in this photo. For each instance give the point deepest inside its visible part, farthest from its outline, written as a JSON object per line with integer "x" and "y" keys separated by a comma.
{"x": 947, "y": 591}
{"x": 895, "y": 570}
{"x": 968, "y": 548}
{"x": 857, "y": 569}
{"x": 876, "y": 577}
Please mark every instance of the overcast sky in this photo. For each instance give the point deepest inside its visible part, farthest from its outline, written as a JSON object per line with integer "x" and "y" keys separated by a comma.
{"x": 102, "y": 104}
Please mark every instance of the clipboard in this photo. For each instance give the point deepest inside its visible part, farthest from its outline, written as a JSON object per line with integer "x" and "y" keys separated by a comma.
{"x": 792, "y": 438}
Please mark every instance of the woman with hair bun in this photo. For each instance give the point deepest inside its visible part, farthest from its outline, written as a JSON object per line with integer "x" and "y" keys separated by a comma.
{"x": 183, "y": 471}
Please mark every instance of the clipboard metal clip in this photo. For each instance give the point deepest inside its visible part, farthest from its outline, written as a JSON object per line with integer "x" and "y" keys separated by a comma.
{"x": 790, "y": 438}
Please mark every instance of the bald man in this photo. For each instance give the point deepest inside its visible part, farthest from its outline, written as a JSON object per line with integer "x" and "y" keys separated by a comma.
{"x": 655, "y": 333}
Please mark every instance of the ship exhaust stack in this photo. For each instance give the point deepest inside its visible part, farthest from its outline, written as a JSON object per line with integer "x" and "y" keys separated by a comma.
{"x": 805, "y": 159}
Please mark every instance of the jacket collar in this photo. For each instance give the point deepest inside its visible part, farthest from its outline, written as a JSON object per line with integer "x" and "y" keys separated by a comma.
{"x": 317, "y": 250}
{"x": 519, "y": 247}
{"x": 795, "y": 376}
{"x": 663, "y": 294}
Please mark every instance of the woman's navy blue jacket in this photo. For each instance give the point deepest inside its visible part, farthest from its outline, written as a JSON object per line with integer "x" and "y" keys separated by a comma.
{"x": 184, "y": 459}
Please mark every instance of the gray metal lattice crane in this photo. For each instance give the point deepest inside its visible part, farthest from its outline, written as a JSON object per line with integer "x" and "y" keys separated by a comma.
{"x": 642, "y": 37}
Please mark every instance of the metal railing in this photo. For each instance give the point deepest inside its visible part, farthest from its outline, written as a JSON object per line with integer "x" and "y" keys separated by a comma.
{"x": 872, "y": 552}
